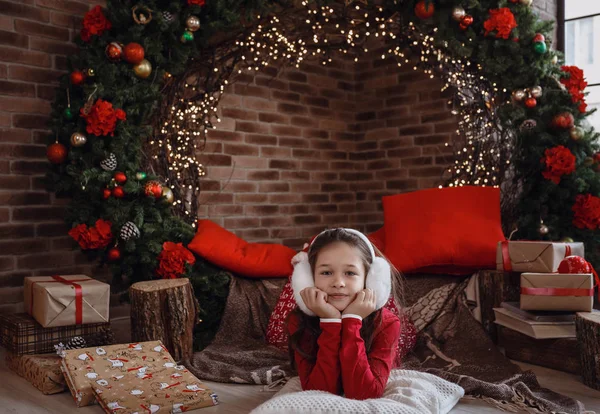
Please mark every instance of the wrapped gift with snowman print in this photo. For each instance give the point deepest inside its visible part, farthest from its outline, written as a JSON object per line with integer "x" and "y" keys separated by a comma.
{"x": 119, "y": 375}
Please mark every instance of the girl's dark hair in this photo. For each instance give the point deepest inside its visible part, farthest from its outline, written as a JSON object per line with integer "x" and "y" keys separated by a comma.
{"x": 309, "y": 325}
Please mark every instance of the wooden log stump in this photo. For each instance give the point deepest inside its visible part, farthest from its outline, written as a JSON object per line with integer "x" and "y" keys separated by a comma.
{"x": 165, "y": 310}
{"x": 588, "y": 338}
{"x": 495, "y": 287}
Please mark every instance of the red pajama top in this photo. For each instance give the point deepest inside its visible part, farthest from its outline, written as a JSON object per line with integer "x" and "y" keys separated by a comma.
{"x": 343, "y": 365}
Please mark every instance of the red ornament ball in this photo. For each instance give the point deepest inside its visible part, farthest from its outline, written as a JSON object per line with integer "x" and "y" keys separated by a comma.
{"x": 106, "y": 193}
{"x": 77, "y": 77}
{"x": 114, "y": 254}
{"x": 423, "y": 10}
{"x": 133, "y": 53}
{"x": 56, "y": 153}
{"x": 466, "y": 21}
{"x": 538, "y": 38}
{"x": 153, "y": 189}
{"x": 118, "y": 192}
{"x": 120, "y": 177}
{"x": 114, "y": 51}
{"x": 563, "y": 120}
{"x": 530, "y": 102}
{"x": 574, "y": 264}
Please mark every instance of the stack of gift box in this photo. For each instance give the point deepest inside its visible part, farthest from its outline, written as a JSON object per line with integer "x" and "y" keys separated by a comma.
{"x": 555, "y": 283}
{"x": 128, "y": 378}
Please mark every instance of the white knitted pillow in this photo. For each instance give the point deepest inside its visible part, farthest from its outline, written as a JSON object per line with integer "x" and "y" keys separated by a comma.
{"x": 407, "y": 392}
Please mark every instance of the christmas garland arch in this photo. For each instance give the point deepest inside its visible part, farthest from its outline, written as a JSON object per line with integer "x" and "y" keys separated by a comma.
{"x": 144, "y": 89}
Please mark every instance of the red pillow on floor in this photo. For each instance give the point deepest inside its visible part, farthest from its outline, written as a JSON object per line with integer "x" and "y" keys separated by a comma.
{"x": 277, "y": 334}
{"x": 448, "y": 230}
{"x": 378, "y": 239}
{"x": 228, "y": 251}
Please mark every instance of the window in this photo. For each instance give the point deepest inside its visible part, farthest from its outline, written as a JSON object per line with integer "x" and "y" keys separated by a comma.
{"x": 579, "y": 39}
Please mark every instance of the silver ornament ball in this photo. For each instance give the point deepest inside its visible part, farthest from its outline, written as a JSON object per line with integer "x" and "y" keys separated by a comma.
{"x": 78, "y": 139}
{"x": 192, "y": 23}
{"x": 576, "y": 133}
{"x": 458, "y": 13}
{"x": 528, "y": 125}
{"x": 518, "y": 95}
{"x": 536, "y": 91}
{"x": 543, "y": 229}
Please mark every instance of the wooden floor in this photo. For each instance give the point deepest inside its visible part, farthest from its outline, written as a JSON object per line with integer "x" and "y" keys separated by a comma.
{"x": 18, "y": 396}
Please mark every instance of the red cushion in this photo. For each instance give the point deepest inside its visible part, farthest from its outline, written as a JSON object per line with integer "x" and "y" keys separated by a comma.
{"x": 378, "y": 239}
{"x": 447, "y": 230}
{"x": 277, "y": 334}
{"x": 229, "y": 252}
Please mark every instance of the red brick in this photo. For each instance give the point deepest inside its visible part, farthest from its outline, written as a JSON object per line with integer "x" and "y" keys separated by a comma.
{"x": 6, "y": 263}
{"x": 3, "y": 71}
{"x": 308, "y": 219}
{"x": 270, "y": 187}
{"x": 22, "y": 151}
{"x": 315, "y": 133}
{"x": 286, "y": 130}
{"x": 254, "y": 235}
{"x": 255, "y": 127}
{"x": 263, "y": 175}
{"x": 285, "y": 96}
{"x": 52, "y": 46}
{"x": 4, "y": 164}
{"x": 273, "y": 118}
{"x": 17, "y": 88}
{"x": 249, "y": 90}
{"x": 292, "y": 108}
{"x": 446, "y": 127}
{"x": 13, "y": 39}
{"x": 72, "y": 7}
{"x": 270, "y": 83}
{"x": 295, "y": 175}
{"x": 14, "y": 182}
{"x": 33, "y": 75}
{"x": 240, "y": 149}
{"x": 304, "y": 153}
{"x": 293, "y": 76}
{"x": 226, "y": 210}
{"x": 15, "y": 135}
{"x": 13, "y": 279}
{"x": 16, "y": 231}
{"x": 61, "y": 63}
{"x": 261, "y": 210}
{"x": 259, "y": 139}
{"x": 38, "y": 213}
{"x": 23, "y": 199}
{"x": 427, "y": 172}
{"x": 45, "y": 260}
{"x": 41, "y": 30}
{"x": 241, "y": 187}
{"x": 24, "y": 105}
{"x": 236, "y": 223}
{"x": 431, "y": 139}
{"x": 46, "y": 92}
{"x": 293, "y": 142}
{"x": 21, "y": 247}
{"x": 281, "y": 152}
{"x": 66, "y": 20}
{"x": 251, "y": 162}
{"x": 304, "y": 89}
{"x": 238, "y": 113}
{"x": 226, "y": 135}
{"x": 27, "y": 12}
{"x": 51, "y": 229}
{"x": 271, "y": 222}
{"x": 63, "y": 243}
{"x": 251, "y": 198}
{"x": 218, "y": 159}
{"x": 27, "y": 57}
{"x": 283, "y": 198}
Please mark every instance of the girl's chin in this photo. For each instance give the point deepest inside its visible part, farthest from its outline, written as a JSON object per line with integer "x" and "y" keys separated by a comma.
{"x": 340, "y": 306}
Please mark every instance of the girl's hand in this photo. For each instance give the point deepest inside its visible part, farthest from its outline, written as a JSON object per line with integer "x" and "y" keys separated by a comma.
{"x": 363, "y": 304}
{"x": 316, "y": 300}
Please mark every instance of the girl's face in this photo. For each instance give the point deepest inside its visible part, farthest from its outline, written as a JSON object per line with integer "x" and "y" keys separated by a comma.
{"x": 340, "y": 273}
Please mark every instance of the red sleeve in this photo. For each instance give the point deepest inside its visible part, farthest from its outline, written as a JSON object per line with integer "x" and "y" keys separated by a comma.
{"x": 323, "y": 374}
{"x": 365, "y": 376}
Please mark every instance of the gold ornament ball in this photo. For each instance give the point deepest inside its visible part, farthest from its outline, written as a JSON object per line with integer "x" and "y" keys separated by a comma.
{"x": 518, "y": 95}
{"x": 91, "y": 73}
{"x": 167, "y": 195}
{"x": 567, "y": 240}
{"x": 78, "y": 139}
{"x": 143, "y": 69}
{"x": 192, "y": 23}
{"x": 554, "y": 60}
{"x": 543, "y": 229}
{"x": 458, "y": 13}
{"x": 536, "y": 91}
{"x": 588, "y": 161}
{"x": 576, "y": 133}
{"x": 527, "y": 2}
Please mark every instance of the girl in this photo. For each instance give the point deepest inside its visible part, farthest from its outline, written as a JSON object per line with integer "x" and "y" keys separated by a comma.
{"x": 341, "y": 340}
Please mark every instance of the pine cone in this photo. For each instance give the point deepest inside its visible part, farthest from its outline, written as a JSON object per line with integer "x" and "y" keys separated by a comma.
{"x": 103, "y": 337}
{"x": 129, "y": 230}
{"x": 168, "y": 16}
{"x": 110, "y": 163}
{"x": 76, "y": 342}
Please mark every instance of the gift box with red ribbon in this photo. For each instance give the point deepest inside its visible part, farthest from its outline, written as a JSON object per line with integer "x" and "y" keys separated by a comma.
{"x": 534, "y": 256}
{"x": 66, "y": 300}
{"x": 557, "y": 292}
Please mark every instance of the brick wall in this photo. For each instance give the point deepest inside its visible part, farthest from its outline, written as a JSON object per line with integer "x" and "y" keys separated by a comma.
{"x": 293, "y": 154}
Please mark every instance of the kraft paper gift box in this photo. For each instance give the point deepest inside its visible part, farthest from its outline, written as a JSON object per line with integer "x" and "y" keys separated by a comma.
{"x": 66, "y": 300}
{"x": 43, "y": 371}
{"x": 557, "y": 292}
{"x": 174, "y": 390}
{"x": 534, "y": 256}
{"x": 85, "y": 367}
{"x": 21, "y": 334}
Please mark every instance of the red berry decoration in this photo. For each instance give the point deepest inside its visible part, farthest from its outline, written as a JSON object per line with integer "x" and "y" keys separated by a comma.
{"x": 114, "y": 51}
{"x": 133, "y": 53}
{"x": 423, "y": 10}
{"x": 106, "y": 193}
{"x": 77, "y": 77}
{"x": 574, "y": 264}
{"x": 563, "y": 120}
{"x": 56, "y": 153}
{"x": 114, "y": 254}
{"x": 153, "y": 189}
{"x": 120, "y": 177}
{"x": 118, "y": 192}
{"x": 530, "y": 102}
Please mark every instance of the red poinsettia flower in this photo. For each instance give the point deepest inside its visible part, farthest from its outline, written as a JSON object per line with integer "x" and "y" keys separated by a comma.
{"x": 94, "y": 24}
{"x": 575, "y": 83}
{"x": 95, "y": 237}
{"x": 172, "y": 260}
{"x": 587, "y": 212}
{"x": 102, "y": 118}
{"x": 559, "y": 161}
{"x": 502, "y": 20}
